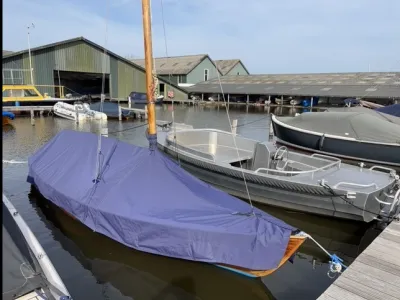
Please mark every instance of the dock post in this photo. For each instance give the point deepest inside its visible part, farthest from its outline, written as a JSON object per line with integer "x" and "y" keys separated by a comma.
{"x": 248, "y": 100}
{"x": 282, "y": 100}
{"x": 234, "y": 126}
{"x": 119, "y": 113}
{"x": 271, "y": 130}
{"x": 145, "y": 112}
{"x": 311, "y": 104}
{"x": 228, "y": 101}
{"x": 32, "y": 117}
{"x": 76, "y": 115}
{"x": 129, "y": 102}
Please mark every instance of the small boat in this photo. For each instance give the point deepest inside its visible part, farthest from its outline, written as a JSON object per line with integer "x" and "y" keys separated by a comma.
{"x": 141, "y": 98}
{"x": 315, "y": 183}
{"x": 393, "y": 110}
{"x": 196, "y": 222}
{"x": 27, "y": 270}
{"x": 77, "y": 111}
{"x": 7, "y": 117}
{"x": 111, "y": 109}
{"x": 354, "y": 135}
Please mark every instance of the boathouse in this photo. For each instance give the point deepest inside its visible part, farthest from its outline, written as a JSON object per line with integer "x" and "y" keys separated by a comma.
{"x": 379, "y": 87}
{"x": 78, "y": 64}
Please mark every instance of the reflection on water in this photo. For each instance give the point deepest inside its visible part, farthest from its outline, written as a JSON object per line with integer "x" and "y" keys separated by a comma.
{"x": 95, "y": 267}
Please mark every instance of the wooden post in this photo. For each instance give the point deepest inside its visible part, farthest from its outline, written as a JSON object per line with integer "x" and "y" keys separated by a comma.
{"x": 76, "y": 115}
{"x": 119, "y": 113}
{"x": 228, "y": 100}
{"x": 234, "y": 126}
{"x": 202, "y": 97}
{"x": 32, "y": 117}
{"x": 218, "y": 98}
{"x": 129, "y": 102}
{"x": 311, "y": 104}
{"x": 148, "y": 57}
{"x": 248, "y": 100}
{"x": 146, "y": 113}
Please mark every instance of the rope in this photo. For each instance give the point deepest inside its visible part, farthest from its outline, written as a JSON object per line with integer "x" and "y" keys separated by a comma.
{"x": 14, "y": 161}
{"x": 336, "y": 264}
{"x": 169, "y": 79}
{"x": 32, "y": 275}
{"x": 126, "y": 129}
{"x": 343, "y": 197}
{"x": 234, "y": 141}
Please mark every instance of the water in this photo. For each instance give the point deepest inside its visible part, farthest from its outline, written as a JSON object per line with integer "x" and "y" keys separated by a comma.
{"x": 95, "y": 267}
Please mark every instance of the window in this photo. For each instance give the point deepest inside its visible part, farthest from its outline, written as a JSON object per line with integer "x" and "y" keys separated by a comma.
{"x": 206, "y": 74}
{"x": 182, "y": 79}
{"x": 30, "y": 93}
{"x": 162, "y": 89}
{"x": 238, "y": 73}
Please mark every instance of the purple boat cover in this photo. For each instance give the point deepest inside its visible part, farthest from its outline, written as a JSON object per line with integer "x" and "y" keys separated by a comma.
{"x": 393, "y": 110}
{"x": 146, "y": 201}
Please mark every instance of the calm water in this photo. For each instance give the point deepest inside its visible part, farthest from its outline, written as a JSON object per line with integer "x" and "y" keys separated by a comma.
{"x": 94, "y": 267}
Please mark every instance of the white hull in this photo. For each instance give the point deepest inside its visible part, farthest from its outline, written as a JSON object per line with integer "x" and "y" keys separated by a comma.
{"x": 77, "y": 112}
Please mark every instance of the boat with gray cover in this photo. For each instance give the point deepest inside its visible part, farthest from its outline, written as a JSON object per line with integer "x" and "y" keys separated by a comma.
{"x": 28, "y": 273}
{"x": 355, "y": 133}
{"x": 315, "y": 183}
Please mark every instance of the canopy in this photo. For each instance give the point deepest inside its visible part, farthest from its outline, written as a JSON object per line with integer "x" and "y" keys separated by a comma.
{"x": 146, "y": 201}
{"x": 352, "y": 124}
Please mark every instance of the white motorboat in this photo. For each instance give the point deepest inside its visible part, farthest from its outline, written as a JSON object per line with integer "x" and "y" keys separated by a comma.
{"x": 77, "y": 111}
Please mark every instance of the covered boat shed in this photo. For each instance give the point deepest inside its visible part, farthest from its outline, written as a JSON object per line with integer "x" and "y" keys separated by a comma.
{"x": 79, "y": 64}
{"x": 378, "y": 87}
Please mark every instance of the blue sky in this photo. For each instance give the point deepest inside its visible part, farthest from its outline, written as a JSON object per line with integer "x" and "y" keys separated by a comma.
{"x": 269, "y": 36}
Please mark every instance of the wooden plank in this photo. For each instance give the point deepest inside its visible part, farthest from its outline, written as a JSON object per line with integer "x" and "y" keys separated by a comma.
{"x": 374, "y": 262}
{"x": 387, "y": 243}
{"x": 362, "y": 290}
{"x": 382, "y": 253}
{"x": 337, "y": 293}
{"x": 383, "y": 284}
{"x": 386, "y": 277}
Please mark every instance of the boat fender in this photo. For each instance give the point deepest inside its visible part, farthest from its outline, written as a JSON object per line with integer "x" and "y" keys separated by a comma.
{"x": 321, "y": 142}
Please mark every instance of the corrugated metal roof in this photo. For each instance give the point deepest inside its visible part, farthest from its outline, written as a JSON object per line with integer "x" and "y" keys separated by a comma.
{"x": 175, "y": 65}
{"x": 225, "y": 65}
{"x": 6, "y": 52}
{"x": 82, "y": 39}
{"x": 367, "y": 85}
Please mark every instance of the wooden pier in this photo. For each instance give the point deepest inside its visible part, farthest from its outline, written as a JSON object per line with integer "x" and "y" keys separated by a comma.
{"x": 138, "y": 112}
{"x": 31, "y": 109}
{"x": 375, "y": 274}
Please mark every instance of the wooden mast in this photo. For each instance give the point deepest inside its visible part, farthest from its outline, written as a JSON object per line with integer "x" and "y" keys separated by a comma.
{"x": 148, "y": 56}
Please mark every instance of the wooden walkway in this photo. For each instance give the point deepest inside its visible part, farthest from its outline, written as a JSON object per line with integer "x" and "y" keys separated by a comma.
{"x": 375, "y": 274}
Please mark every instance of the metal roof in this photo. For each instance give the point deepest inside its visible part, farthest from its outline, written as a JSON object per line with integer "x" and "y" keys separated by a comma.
{"x": 6, "y": 52}
{"x": 225, "y": 65}
{"x": 175, "y": 65}
{"x": 368, "y": 85}
{"x": 82, "y": 39}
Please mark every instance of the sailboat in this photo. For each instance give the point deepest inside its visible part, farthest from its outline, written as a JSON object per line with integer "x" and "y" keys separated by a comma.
{"x": 113, "y": 193}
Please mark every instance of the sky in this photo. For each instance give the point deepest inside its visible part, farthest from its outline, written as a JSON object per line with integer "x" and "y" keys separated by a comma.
{"x": 269, "y": 36}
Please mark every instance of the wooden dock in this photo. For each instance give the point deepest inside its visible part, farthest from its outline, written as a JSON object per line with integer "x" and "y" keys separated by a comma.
{"x": 375, "y": 274}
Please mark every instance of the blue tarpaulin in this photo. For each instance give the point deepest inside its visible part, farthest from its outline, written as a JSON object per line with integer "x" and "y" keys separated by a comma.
{"x": 7, "y": 114}
{"x": 146, "y": 201}
{"x": 393, "y": 110}
{"x": 109, "y": 108}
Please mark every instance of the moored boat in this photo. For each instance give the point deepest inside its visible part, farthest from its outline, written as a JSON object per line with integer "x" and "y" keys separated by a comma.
{"x": 141, "y": 98}
{"x": 315, "y": 183}
{"x": 28, "y": 272}
{"x": 195, "y": 222}
{"x": 7, "y": 117}
{"x": 353, "y": 135}
{"x": 77, "y": 111}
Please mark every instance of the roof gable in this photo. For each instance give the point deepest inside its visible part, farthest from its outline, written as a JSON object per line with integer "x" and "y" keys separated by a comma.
{"x": 97, "y": 46}
{"x": 226, "y": 65}
{"x": 176, "y": 65}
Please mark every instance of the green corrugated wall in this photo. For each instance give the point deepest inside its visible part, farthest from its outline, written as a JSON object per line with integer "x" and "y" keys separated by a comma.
{"x": 80, "y": 56}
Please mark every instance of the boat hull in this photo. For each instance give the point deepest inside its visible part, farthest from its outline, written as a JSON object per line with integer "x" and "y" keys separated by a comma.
{"x": 349, "y": 149}
{"x": 275, "y": 192}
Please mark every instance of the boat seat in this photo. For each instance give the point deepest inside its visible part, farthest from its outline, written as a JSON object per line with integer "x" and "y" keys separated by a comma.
{"x": 263, "y": 155}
